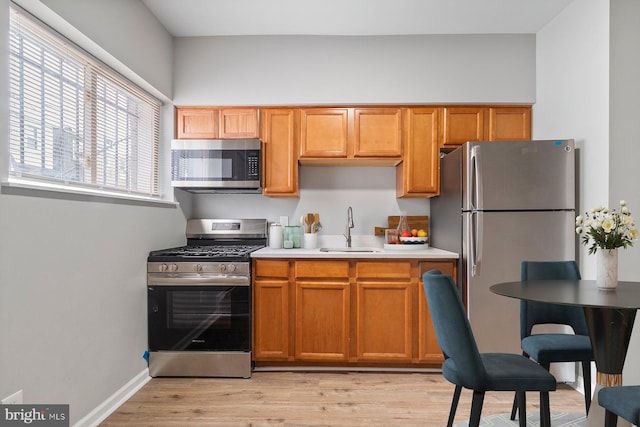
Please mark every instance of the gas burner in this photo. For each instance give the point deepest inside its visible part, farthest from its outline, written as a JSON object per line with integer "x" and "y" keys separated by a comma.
{"x": 207, "y": 251}
{"x": 230, "y": 240}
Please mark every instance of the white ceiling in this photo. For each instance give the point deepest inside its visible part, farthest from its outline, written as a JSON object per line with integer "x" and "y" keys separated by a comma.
{"x": 185, "y": 18}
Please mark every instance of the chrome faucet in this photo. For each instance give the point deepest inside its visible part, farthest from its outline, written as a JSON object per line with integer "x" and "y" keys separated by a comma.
{"x": 349, "y": 225}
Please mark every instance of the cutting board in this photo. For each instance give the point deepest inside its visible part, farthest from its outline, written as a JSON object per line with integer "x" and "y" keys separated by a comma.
{"x": 416, "y": 221}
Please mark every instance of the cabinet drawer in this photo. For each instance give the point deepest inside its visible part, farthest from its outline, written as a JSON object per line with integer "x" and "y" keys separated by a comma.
{"x": 335, "y": 269}
{"x": 383, "y": 270}
{"x": 446, "y": 267}
{"x": 272, "y": 268}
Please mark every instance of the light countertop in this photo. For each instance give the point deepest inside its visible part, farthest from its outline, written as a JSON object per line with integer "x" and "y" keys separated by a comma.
{"x": 372, "y": 242}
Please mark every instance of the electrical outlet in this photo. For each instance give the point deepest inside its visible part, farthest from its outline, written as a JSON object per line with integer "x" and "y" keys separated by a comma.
{"x": 14, "y": 399}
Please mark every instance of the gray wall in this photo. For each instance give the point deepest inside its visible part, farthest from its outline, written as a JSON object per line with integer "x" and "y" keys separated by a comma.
{"x": 624, "y": 150}
{"x": 72, "y": 269}
{"x": 587, "y": 77}
{"x": 280, "y": 70}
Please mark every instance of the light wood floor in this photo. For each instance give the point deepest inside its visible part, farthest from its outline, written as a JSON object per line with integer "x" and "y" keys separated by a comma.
{"x": 314, "y": 399}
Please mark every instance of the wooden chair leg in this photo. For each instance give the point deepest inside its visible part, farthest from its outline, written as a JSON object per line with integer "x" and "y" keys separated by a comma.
{"x": 545, "y": 411}
{"x": 586, "y": 374}
{"x": 522, "y": 408}
{"x": 454, "y": 405}
{"x": 476, "y": 408}
{"x": 610, "y": 419}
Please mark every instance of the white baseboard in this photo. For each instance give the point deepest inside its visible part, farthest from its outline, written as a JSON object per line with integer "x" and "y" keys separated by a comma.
{"x": 106, "y": 408}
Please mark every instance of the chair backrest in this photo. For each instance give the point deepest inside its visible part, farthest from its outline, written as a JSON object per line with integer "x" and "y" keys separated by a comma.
{"x": 453, "y": 330}
{"x": 537, "y": 313}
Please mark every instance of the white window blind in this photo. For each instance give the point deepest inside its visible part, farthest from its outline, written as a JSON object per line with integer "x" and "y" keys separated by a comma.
{"x": 73, "y": 121}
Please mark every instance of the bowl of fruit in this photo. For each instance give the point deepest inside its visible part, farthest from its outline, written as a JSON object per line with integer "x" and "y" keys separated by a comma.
{"x": 414, "y": 237}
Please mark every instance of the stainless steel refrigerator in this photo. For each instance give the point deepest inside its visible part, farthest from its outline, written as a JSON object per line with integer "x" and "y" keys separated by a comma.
{"x": 501, "y": 203}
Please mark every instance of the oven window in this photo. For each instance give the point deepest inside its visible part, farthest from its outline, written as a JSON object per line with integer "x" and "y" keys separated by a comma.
{"x": 199, "y": 309}
{"x": 199, "y": 318}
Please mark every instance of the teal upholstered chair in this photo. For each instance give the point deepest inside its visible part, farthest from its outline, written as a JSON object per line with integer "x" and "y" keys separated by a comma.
{"x": 557, "y": 347}
{"x": 620, "y": 402}
{"x": 465, "y": 366}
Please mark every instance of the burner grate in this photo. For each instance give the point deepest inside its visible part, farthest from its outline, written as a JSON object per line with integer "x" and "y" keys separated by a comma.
{"x": 208, "y": 251}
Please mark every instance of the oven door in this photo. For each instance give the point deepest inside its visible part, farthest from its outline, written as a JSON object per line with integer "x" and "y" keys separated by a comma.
{"x": 199, "y": 314}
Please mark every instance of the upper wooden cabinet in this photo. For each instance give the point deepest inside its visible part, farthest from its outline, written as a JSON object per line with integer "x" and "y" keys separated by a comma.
{"x": 351, "y": 133}
{"x": 462, "y": 124}
{"x": 509, "y": 123}
{"x": 324, "y": 132}
{"x": 197, "y": 123}
{"x": 418, "y": 174}
{"x": 213, "y": 122}
{"x": 239, "y": 123}
{"x": 407, "y": 137}
{"x": 280, "y": 141}
{"x": 378, "y": 132}
{"x": 482, "y": 123}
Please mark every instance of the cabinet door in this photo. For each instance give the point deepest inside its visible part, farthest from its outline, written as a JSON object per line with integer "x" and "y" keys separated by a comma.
{"x": 279, "y": 155}
{"x": 418, "y": 174}
{"x": 323, "y": 132}
{"x": 322, "y": 321}
{"x": 384, "y": 311}
{"x": 428, "y": 349}
{"x": 271, "y": 319}
{"x": 378, "y": 132}
{"x": 238, "y": 123}
{"x": 196, "y": 123}
{"x": 462, "y": 124}
{"x": 509, "y": 123}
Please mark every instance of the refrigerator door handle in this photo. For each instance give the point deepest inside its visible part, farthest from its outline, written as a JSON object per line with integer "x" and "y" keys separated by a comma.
{"x": 476, "y": 238}
{"x": 476, "y": 177}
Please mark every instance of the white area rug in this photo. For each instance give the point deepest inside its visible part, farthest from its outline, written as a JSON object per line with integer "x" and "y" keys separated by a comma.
{"x": 558, "y": 419}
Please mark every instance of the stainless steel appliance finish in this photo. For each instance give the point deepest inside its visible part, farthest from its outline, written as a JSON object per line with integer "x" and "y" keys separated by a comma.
{"x": 216, "y": 165}
{"x": 199, "y": 300}
{"x": 502, "y": 203}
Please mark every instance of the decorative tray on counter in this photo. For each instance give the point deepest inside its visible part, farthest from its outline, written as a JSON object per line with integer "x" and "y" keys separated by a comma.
{"x": 414, "y": 240}
{"x": 406, "y": 247}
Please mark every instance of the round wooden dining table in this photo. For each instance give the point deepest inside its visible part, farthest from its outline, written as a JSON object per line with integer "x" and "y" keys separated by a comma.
{"x": 609, "y": 314}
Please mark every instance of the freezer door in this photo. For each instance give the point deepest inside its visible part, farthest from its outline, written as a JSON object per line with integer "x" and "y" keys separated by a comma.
{"x": 519, "y": 175}
{"x": 495, "y": 243}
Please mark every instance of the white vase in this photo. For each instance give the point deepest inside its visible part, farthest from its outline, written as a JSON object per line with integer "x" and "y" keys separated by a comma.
{"x": 607, "y": 269}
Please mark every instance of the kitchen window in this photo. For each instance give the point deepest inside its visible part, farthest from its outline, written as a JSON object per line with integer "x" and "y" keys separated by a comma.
{"x": 75, "y": 124}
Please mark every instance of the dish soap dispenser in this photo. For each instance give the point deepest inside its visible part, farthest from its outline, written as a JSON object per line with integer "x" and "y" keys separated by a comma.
{"x": 403, "y": 226}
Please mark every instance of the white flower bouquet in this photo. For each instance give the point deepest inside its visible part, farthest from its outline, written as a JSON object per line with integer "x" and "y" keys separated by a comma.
{"x": 607, "y": 229}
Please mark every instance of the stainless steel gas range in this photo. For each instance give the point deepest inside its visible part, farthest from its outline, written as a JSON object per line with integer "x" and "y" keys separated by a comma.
{"x": 199, "y": 300}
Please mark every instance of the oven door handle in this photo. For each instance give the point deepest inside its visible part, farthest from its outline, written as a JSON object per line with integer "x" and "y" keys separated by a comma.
{"x": 221, "y": 280}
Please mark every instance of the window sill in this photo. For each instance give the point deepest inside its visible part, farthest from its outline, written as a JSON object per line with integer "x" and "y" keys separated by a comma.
{"x": 42, "y": 189}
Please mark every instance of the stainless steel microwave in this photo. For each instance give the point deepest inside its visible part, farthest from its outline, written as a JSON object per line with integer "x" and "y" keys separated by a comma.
{"x": 216, "y": 165}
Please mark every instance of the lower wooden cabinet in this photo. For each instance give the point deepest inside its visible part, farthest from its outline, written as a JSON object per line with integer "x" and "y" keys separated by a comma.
{"x": 343, "y": 313}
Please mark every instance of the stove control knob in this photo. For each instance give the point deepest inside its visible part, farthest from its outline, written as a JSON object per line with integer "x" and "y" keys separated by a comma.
{"x": 163, "y": 267}
{"x": 197, "y": 267}
{"x": 222, "y": 267}
{"x": 232, "y": 267}
{"x": 173, "y": 267}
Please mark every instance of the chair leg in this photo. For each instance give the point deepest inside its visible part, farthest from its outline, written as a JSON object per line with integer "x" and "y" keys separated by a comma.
{"x": 545, "y": 411}
{"x": 514, "y": 408}
{"x": 586, "y": 374}
{"x": 610, "y": 419}
{"x": 476, "y": 408}
{"x": 454, "y": 405}
{"x": 521, "y": 397}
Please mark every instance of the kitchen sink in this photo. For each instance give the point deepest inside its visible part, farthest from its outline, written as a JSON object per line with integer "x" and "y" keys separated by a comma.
{"x": 353, "y": 249}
